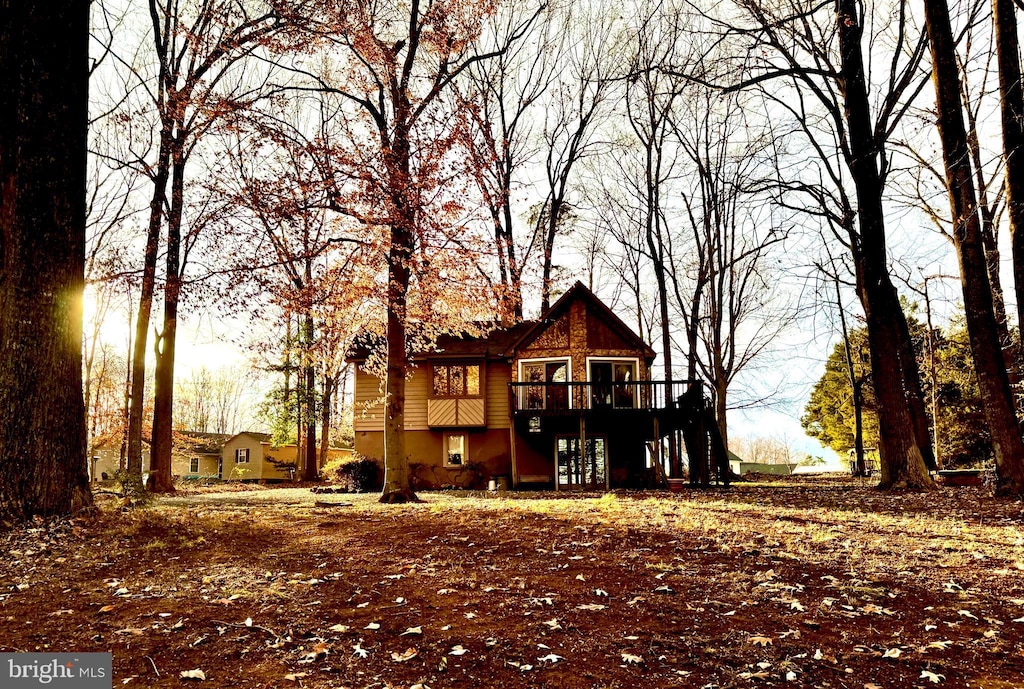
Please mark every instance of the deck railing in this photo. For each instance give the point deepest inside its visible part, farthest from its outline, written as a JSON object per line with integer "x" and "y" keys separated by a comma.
{"x": 555, "y": 398}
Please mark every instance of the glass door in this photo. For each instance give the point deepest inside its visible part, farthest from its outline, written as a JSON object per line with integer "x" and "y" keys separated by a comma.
{"x": 588, "y": 472}
{"x": 542, "y": 395}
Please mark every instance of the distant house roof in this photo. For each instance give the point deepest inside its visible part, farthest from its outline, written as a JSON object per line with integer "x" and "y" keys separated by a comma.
{"x": 202, "y": 443}
{"x": 261, "y": 437}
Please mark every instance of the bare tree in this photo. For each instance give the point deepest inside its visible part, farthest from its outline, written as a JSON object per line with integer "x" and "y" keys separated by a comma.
{"x": 813, "y": 55}
{"x": 587, "y": 55}
{"x": 998, "y": 402}
{"x": 501, "y": 96}
{"x": 188, "y": 82}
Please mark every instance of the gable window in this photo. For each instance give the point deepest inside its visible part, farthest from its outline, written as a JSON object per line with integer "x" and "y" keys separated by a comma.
{"x": 456, "y": 380}
{"x": 193, "y": 465}
{"x": 242, "y": 455}
{"x": 455, "y": 446}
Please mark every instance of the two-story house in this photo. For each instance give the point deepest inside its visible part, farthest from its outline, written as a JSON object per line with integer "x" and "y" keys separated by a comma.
{"x": 564, "y": 402}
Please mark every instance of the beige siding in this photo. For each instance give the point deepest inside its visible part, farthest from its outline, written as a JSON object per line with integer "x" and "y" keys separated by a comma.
{"x": 245, "y": 471}
{"x": 417, "y": 390}
{"x": 499, "y": 375}
{"x": 368, "y": 412}
{"x": 109, "y": 460}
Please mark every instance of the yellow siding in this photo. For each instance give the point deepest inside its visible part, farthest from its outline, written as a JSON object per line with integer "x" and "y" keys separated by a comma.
{"x": 499, "y": 375}
{"x": 246, "y": 471}
{"x": 417, "y": 390}
{"x": 368, "y": 412}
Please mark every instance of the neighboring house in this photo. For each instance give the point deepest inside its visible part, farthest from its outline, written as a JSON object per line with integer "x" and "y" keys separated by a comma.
{"x": 196, "y": 454}
{"x": 245, "y": 456}
{"x": 522, "y": 401}
{"x": 106, "y": 458}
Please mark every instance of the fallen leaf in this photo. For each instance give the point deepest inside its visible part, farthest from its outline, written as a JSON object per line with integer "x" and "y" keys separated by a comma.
{"x": 359, "y": 652}
{"x": 892, "y": 653}
{"x": 966, "y": 613}
{"x": 412, "y": 630}
{"x": 760, "y": 640}
{"x": 550, "y": 658}
{"x": 295, "y": 676}
{"x": 339, "y": 628}
{"x": 373, "y": 626}
{"x": 192, "y": 674}
{"x": 248, "y": 621}
{"x": 600, "y": 592}
{"x": 931, "y": 677}
{"x": 457, "y": 651}
{"x": 553, "y": 624}
{"x": 591, "y": 606}
{"x": 407, "y": 654}
{"x": 630, "y": 659}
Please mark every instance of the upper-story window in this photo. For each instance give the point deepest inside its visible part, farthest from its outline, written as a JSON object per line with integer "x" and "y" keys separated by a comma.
{"x": 456, "y": 380}
{"x": 242, "y": 455}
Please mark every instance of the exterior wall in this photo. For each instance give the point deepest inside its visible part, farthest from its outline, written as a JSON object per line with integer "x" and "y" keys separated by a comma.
{"x": 181, "y": 463}
{"x": 109, "y": 460}
{"x": 286, "y": 453}
{"x": 499, "y": 375}
{"x": 252, "y": 470}
{"x": 417, "y": 390}
{"x": 368, "y": 412}
{"x": 489, "y": 448}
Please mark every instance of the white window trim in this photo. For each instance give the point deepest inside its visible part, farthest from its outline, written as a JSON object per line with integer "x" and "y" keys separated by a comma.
{"x": 547, "y": 360}
{"x": 465, "y": 448}
{"x": 238, "y": 455}
{"x": 615, "y": 360}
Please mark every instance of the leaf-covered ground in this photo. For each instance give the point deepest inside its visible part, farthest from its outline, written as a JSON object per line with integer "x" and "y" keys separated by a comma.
{"x": 817, "y": 583}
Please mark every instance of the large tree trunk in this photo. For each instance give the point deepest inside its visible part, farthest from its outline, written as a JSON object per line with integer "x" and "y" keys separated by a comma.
{"x": 993, "y": 382}
{"x": 900, "y": 448}
{"x": 43, "y": 125}
{"x": 397, "y": 487}
{"x": 1011, "y": 108}
{"x": 160, "y": 480}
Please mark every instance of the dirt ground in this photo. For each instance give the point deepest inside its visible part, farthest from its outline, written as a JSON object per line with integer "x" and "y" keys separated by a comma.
{"x": 811, "y": 583}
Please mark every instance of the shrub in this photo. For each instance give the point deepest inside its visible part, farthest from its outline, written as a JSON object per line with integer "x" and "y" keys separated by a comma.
{"x": 358, "y": 475}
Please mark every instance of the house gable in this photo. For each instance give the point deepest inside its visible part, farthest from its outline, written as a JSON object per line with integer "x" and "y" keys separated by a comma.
{"x": 579, "y": 327}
